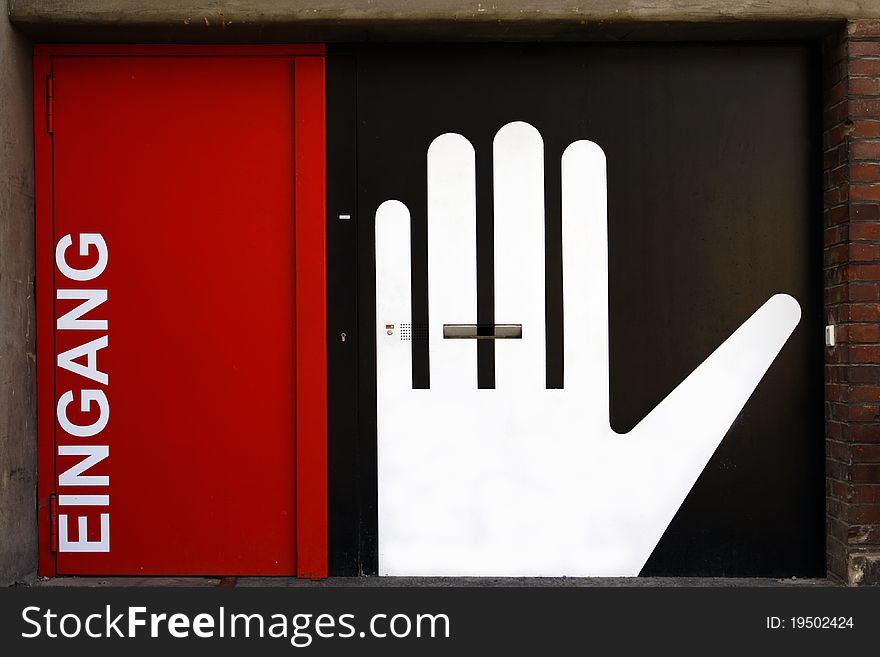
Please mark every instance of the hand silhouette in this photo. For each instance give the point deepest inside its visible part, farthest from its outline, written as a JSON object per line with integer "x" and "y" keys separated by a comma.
{"x": 522, "y": 480}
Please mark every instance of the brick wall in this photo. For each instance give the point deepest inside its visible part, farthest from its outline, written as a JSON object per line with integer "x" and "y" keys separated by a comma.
{"x": 851, "y": 188}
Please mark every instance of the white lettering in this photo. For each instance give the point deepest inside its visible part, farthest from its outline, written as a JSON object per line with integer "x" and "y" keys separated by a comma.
{"x": 73, "y": 475}
{"x": 71, "y": 320}
{"x": 83, "y": 500}
{"x": 67, "y": 360}
{"x": 82, "y": 360}
{"x": 83, "y": 544}
{"x": 85, "y": 241}
{"x": 88, "y": 396}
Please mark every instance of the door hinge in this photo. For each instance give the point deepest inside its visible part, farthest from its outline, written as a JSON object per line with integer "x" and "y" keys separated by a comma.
{"x": 50, "y": 104}
{"x": 53, "y": 523}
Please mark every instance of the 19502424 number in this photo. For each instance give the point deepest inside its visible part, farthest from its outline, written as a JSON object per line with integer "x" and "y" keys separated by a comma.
{"x": 810, "y": 623}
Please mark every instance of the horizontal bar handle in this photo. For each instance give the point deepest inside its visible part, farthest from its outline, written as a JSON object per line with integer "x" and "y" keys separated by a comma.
{"x": 482, "y": 331}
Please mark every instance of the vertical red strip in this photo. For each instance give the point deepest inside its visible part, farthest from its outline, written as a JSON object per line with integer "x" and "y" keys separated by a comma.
{"x": 311, "y": 330}
{"x": 45, "y": 293}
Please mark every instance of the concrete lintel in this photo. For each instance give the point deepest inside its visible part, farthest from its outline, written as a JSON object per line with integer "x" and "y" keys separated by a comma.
{"x": 408, "y": 20}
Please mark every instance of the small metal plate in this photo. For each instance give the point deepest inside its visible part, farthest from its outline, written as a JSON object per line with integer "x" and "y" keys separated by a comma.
{"x": 482, "y": 331}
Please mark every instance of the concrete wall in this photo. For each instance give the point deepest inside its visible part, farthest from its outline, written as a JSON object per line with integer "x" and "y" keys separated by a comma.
{"x": 18, "y": 535}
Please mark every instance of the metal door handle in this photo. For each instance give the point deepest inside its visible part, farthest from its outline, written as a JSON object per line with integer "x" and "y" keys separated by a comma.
{"x": 482, "y": 331}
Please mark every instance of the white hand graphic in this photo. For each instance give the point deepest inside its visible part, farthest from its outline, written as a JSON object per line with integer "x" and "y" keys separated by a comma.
{"x": 522, "y": 480}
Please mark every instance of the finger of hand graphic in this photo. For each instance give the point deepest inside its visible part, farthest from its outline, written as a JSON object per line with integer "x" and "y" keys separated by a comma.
{"x": 518, "y": 166}
{"x": 393, "y": 296}
{"x": 685, "y": 428}
{"x": 452, "y": 259}
{"x": 585, "y": 274}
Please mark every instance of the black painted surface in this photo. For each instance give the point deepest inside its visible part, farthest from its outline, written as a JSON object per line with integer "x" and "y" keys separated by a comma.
{"x": 344, "y": 476}
{"x": 712, "y": 161}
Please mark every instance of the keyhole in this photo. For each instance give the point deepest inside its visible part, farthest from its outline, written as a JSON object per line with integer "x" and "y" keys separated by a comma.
{"x": 342, "y": 336}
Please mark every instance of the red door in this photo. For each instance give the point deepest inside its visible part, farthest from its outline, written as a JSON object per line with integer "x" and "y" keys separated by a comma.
{"x": 181, "y": 235}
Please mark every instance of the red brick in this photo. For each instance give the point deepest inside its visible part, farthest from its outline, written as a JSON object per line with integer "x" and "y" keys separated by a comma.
{"x": 861, "y": 48}
{"x": 839, "y": 451}
{"x": 835, "y": 392}
{"x": 841, "y": 174}
{"x": 860, "y": 333}
{"x": 866, "y": 453}
{"x": 837, "y": 294}
{"x": 863, "y": 273}
{"x": 864, "y": 66}
{"x": 837, "y": 93}
{"x": 863, "y": 291}
{"x": 835, "y": 156}
{"x": 836, "y": 215}
{"x": 837, "y": 356}
{"x": 837, "y": 509}
{"x": 867, "y": 172}
{"x": 863, "y": 393}
{"x": 866, "y": 127}
{"x": 860, "y": 107}
{"x": 865, "y": 150}
{"x": 837, "y": 470}
{"x": 863, "y": 28}
{"x": 835, "y": 411}
{"x": 862, "y": 86}
{"x": 838, "y": 489}
{"x": 867, "y": 473}
{"x": 864, "y": 354}
{"x": 835, "y": 374}
{"x": 860, "y": 433}
{"x": 863, "y": 374}
{"x": 835, "y": 275}
{"x": 837, "y": 135}
{"x": 864, "y": 252}
{"x": 833, "y": 428}
{"x": 866, "y": 232}
{"x": 864, "y": 192}
{"x": 837, "y": 234}
{"x": 864, "y": 514}
{"x": 836, "y": 255}
{"x": 839, "y": 194}
{"x": 865, "y": 212}
{"x": 859, "y": 312}
{"x": 832, "y": 73}
{"x": 864, "y": 493}
{"x": 837, "y": 114}
{"x": 855, "y": 412}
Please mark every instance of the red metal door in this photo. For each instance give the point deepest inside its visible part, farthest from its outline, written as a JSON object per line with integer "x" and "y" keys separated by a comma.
{"x": 181, "y": 251}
